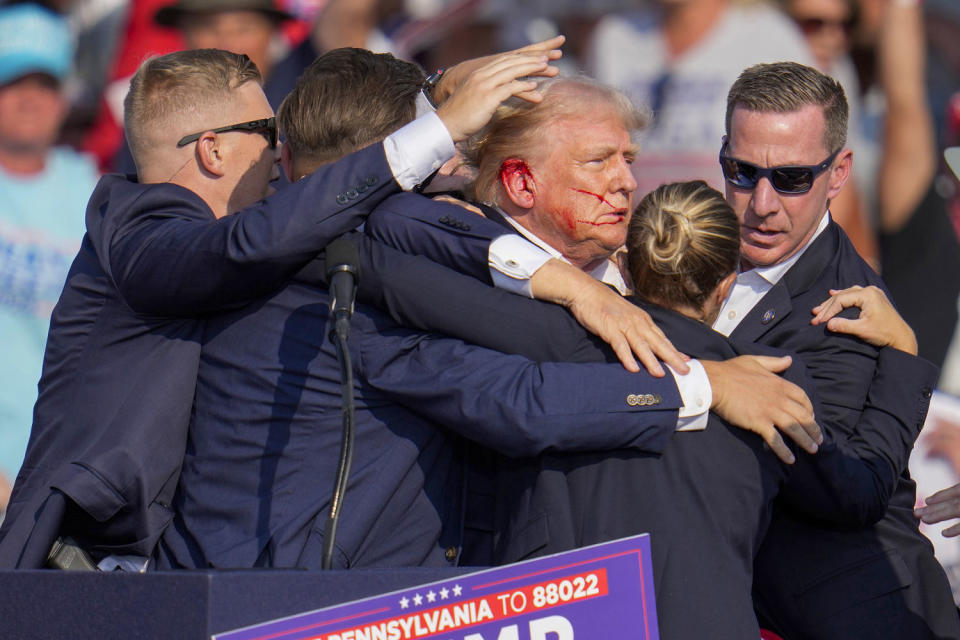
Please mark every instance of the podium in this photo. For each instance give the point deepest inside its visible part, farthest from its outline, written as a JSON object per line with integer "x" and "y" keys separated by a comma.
{"x": 185, "y": 605}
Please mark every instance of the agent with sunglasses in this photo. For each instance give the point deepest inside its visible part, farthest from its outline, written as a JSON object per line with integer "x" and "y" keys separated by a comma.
{"x": 191, "y": 235}
{"x": 784, "y": 159}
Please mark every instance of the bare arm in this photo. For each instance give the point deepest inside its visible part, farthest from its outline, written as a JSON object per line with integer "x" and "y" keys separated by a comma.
{"x": 908, "y": 162}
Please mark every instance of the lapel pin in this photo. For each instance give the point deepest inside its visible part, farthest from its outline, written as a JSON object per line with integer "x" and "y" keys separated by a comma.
{"x": 768, "y": 316}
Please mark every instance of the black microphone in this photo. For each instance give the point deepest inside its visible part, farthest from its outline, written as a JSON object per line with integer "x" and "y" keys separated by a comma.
{"x": 343, "y": 273}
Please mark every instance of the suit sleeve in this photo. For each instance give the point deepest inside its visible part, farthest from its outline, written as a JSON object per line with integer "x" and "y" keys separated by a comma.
{"x": 850, "y": 479}
{"x": 516, "y": 406}
{"x": 419, "y": 293}
{"x": 893, "y": 414}
{"x": 179, "y": 261}
{"x": 445, "y": 233}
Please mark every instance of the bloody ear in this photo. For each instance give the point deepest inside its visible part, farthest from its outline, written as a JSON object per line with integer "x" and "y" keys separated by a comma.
{"x": 518, "y": 183}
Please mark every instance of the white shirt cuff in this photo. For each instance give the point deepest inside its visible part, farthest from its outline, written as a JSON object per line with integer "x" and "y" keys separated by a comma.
{"x": 423, "y": 104}
{"x": 418, "y": 149}
{"x": 697, "y": 396}
{"x": 513, "y": 260}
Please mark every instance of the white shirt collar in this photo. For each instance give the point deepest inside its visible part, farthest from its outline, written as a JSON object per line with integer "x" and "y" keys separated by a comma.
{"x": 606, "y": 272}
{"x": 774, "y": 273}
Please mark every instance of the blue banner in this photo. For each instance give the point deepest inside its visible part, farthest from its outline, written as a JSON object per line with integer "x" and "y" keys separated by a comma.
{"x": 603, "y": 591}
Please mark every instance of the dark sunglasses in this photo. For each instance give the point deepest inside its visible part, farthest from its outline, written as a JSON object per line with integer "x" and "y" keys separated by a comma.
{"x": 786, "y": 180}
{"x": 267, "y": 127}
{"x": 814, "y": 25}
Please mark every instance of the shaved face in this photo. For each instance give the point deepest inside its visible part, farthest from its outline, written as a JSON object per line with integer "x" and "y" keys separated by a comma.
{"x": 774, "y": 226}
{"x": 583, "y": 183}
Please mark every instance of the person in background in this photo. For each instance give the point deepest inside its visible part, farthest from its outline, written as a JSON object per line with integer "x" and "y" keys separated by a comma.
{"x": 827, "y": 26}
{"x": 238, "y": 26}
{"x": 680, "y": 57}
{"x": 44, "y": 189}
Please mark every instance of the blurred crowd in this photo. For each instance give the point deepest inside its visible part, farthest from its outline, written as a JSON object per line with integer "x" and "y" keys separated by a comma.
{"x": 65, "y": 66}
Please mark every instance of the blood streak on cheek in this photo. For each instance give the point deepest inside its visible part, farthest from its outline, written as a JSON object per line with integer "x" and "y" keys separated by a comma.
{"x": 595, "y": 195}
{"x": 569, "y": 219}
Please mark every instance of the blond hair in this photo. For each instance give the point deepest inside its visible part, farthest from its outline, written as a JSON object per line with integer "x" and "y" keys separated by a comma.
{"x": 683, "y": 239}
{"x": 517, "y": 127}
{"x": 785, "y": 87}
{"x": 167, "y": 86}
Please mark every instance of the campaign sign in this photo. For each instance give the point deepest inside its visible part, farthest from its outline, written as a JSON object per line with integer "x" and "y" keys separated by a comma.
{"x": 603, "y": 591}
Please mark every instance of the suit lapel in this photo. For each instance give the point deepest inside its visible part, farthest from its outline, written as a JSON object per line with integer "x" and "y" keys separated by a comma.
{"x": 777, "y": 304}
{"x": 765, "y": 315}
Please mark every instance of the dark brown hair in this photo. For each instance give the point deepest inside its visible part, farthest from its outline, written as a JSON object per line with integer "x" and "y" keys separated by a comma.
{"x": 345, "y": 100}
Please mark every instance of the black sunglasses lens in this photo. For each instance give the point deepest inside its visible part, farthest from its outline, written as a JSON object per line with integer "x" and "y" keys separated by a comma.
{"x": 792, "y": 180}
{"x": 739, "y": 174}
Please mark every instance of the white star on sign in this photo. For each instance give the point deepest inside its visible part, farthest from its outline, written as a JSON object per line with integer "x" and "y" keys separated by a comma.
{"x": 417, "y": 599}
{"x": 444, "y": 593}
{"x": 404, "y": 602}
{"x": 457, "y": 590}
{"x": 431, "y": 596}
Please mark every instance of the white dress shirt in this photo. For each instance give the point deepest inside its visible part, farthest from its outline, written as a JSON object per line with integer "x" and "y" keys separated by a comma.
{"x": 752, "y": 285}
{"x": 418, "y": 149}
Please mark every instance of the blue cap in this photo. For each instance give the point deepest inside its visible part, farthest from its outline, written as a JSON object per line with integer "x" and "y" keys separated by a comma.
{"x": 33, "y": 39}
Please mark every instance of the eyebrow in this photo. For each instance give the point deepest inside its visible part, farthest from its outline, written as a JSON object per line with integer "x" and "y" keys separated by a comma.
{"x": 610, "y": 150}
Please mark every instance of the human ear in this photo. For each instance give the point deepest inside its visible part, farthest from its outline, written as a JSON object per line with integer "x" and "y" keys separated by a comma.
{"x": 210, "y": 154}
{"x": 840, "y": 173}
{"x": 518, "y": 183}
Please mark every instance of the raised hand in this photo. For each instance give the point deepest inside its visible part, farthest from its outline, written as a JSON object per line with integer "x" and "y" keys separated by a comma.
{"x": 473, "y": 103}
{"x": 455, "y": 76}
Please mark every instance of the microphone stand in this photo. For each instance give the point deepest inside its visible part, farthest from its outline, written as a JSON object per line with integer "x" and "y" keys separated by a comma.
{"x": 339, "y": 336}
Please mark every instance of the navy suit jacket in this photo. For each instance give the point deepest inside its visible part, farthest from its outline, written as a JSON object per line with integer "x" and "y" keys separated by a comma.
{"x": 889, "y": 410}
{"x": 706, "y": 501}
{"x": 263, "y": 446}
{"x": 818, "y": 581}
{"x": 121, "y": 360}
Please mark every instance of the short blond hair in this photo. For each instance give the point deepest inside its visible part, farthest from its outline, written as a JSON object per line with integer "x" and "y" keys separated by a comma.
{"x": 168, "y": 85}
{"x": 518, "y": 127}
{"x": 683, "y": 239}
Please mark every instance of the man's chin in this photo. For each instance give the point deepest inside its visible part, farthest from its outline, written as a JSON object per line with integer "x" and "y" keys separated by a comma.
{"x": 757, "y": 256}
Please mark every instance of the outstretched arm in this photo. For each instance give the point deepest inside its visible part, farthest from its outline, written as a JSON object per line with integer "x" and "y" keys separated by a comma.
{"x": 514, "y": 405}
{"x": 181, "y": 261}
